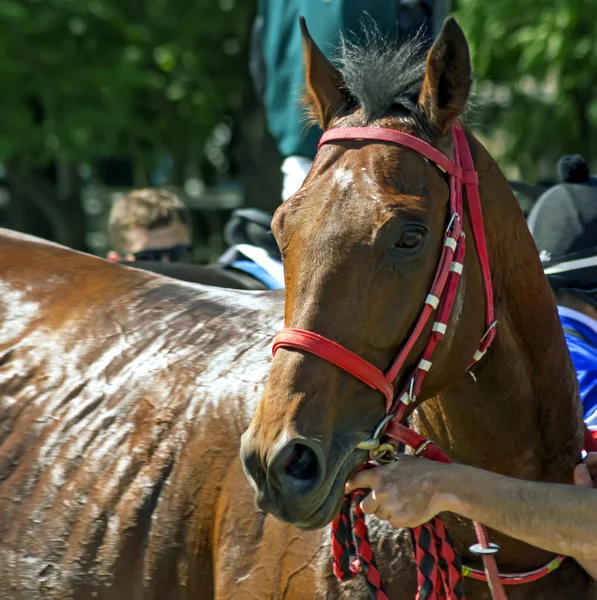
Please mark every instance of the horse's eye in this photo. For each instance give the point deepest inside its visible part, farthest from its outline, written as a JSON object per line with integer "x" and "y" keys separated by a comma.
{"x": 410, "y": 238}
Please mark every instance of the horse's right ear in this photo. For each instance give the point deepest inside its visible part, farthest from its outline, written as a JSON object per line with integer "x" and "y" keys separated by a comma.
{"x": 448, "y": 77}
{"x": 325, "y": 93}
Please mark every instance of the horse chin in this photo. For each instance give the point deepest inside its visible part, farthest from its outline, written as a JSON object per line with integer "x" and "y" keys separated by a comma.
{"x": 331, "y": 504}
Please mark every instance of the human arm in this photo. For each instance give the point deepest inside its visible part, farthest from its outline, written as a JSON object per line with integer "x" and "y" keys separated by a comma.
{"x": 585, "y": 475}
{"x": 557, "y": 518}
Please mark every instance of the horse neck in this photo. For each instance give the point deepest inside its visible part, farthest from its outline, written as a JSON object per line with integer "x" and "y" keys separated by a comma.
{"x": 521, "y": 417}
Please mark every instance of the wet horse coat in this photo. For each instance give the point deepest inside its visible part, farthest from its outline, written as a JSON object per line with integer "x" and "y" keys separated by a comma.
{"x": 123, "y": 398}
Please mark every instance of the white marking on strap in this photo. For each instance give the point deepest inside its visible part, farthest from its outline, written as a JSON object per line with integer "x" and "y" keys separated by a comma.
{"x": 456, "y": 267}
{"x": 425, "y": 365}
{"x": 405, "y": 398}
{"x": 432, "y": 300}
{"x": 479, "y": 355}
{"x": 439, "y": 327}
{"x": 450, "y": 243}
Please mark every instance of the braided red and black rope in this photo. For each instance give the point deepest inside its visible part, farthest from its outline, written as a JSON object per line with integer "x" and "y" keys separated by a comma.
{"x": 439, "y": 569}
{"x": 351, "y": 549}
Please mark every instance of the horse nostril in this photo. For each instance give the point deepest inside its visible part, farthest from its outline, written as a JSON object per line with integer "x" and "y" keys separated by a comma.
{"x": 302, "y": 463}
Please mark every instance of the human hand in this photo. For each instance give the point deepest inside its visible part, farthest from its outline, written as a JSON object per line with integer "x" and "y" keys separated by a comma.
{"x": 405, "y": 493}
{"x": 585, "y": 474}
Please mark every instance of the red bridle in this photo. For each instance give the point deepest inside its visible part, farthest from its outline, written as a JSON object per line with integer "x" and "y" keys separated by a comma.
{"x": 444, "y": 289}
{"x": 440, "y": 302}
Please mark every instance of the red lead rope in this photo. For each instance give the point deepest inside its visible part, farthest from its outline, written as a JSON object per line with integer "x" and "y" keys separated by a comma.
{"x": 439, "y": 569}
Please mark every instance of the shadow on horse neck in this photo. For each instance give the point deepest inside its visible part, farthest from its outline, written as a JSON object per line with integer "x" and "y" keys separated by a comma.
{"x": 361, "y": 241}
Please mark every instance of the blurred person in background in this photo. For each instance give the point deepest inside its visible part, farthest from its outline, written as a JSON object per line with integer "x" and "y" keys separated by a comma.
{"x": 150, "y": 225}
{"x": 277, "y": 60}
{"x": 573, "y": 168}
{"x": 150, "y": 229}
{"x": 278, "y": 73}
{"x": 563, "y": 224}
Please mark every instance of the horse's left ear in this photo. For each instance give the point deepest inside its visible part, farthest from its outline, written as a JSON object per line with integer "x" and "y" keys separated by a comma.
{"x": 448, "y": 77}
{"x": 325, "y": 90}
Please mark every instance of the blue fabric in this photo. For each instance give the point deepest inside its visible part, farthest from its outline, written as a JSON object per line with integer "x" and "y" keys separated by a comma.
{"x": 584, "y": 357}
{"x": 259, "y": 273}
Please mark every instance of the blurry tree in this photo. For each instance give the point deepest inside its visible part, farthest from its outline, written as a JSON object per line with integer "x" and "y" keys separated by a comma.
{"x": 86, "y": 79}
{"x": 536, "y": 64}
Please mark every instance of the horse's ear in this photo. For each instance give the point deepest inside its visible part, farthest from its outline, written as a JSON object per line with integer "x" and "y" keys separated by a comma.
{"x": 324, "y": 93}
{"x": 448, "y": 77}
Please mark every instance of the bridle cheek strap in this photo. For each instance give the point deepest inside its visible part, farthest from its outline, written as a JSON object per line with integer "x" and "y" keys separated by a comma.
{"x": 444, "y": 289}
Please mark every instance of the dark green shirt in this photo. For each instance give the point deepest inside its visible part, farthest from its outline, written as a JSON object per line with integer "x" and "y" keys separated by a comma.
{"x": 281, "y": 53}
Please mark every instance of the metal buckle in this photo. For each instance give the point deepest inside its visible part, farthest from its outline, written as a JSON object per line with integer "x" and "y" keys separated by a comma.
{"x": 374, "y": 446}
{"x": 486, "y": 334}
{"x": 411, "y": 389}
{"x": 482, "y": 551}
{"x": 455, "y": 216}
{"x": 422, "y": 447}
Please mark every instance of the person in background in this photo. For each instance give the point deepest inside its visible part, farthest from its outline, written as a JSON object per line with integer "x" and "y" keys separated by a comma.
{"x": 150, "y": 224}
{"x": 557, "y": 518}
{"x": 563, "y": 224}
{"x": 277, "y": 60}
{"x": 573, "y": 168}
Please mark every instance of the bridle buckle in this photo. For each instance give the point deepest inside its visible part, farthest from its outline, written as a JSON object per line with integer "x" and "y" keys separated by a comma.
{"x": 374, "y": 446}
{"x": 422, "y": 448}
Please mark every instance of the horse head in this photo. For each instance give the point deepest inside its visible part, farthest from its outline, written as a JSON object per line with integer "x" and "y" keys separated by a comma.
{"x": 361, "y": 241}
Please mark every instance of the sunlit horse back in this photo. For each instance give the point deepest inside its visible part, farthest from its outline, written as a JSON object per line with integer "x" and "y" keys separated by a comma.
{"x": 123, "y": 396}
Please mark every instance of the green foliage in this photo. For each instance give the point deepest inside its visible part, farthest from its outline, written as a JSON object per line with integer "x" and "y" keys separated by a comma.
{"x": 536, "y": 64}
{"x": 136, "y": 78}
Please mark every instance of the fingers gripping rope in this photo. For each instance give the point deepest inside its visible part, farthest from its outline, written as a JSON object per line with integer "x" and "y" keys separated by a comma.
{"x": 439, "y": 569}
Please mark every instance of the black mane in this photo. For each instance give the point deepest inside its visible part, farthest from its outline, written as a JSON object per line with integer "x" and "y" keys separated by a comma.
{"x": 383, "y": 76}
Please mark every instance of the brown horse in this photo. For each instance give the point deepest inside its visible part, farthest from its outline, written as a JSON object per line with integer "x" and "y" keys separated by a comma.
{"x": 123, "y": 398}
{"x": 361, "y": 242}
{"x": 124, "y": 394}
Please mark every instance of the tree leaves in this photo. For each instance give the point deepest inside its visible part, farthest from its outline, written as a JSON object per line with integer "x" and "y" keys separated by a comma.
{"x": 89, "y": 78}
{"x": 546, "y": 54}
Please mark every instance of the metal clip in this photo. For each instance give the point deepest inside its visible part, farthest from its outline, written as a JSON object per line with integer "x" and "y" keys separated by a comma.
{"x": 373, "y": 445}
{"x": 385, "y": 453}
{"x": 422, "y": 447}
{"x": 480, "y": 550}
